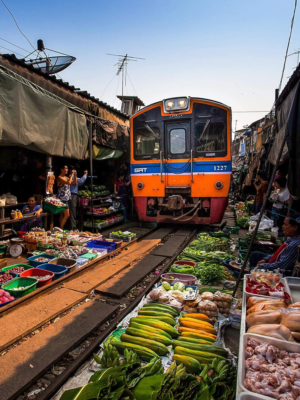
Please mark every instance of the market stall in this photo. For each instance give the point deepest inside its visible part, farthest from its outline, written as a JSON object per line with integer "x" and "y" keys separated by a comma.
{"x": 172, "y": 344}
{"x": 49, "y": 255}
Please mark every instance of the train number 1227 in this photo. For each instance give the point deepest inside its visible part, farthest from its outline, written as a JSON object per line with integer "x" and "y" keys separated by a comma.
{"x": 220, "y": 167}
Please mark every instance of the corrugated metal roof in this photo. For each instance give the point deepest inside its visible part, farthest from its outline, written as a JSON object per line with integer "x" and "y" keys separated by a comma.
{"x": 138, "y": 101}
{"x": 66, "y": 85}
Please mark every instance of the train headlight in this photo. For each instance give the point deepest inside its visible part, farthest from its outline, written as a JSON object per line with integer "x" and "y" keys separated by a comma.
{"x": 177, "y": 104}
{"x": 170, "y": 105}
{"x": 218, "y": 185}
{"x": 140, "y": 185}
{"x": 182, "y": 103}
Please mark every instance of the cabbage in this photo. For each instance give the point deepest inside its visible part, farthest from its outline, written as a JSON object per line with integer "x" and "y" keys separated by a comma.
{"x": 189, "y": 289}
{"x": 179, "y": 286}
{"x": 166, "y": 285}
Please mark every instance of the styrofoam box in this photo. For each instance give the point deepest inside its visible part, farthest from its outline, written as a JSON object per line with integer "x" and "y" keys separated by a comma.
{"x": 291, "y": 347}
{"x": 247, "y": 295}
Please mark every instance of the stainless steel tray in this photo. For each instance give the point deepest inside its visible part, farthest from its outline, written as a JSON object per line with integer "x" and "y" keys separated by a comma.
{"x": 281, "y": 344}
{"x": 251, "y": 396}
{"x": 294, "y": 287}
{"x": 247, "y": 295}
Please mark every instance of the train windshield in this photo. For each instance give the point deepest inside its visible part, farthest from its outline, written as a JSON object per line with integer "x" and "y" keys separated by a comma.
{"x": 147, "y": 142}
{"x": 177, "y": 139}
{"x": 210, "y": 136}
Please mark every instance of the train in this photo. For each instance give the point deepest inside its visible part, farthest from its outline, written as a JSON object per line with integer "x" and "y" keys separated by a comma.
{"x": 181, "y": 161}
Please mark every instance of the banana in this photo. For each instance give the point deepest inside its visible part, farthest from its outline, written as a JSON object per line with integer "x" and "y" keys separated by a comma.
{"x": 221, "y": 365}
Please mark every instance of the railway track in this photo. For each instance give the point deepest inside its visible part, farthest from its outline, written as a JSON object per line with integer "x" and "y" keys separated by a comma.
{"x": 78, "y": 313}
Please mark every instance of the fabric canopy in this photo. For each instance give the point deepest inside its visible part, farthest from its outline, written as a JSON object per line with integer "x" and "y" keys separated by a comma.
{"x": 105, "y": 153}
{"x": 276, "y": 147}
{"x": 31, "y": 119}
{"x": 111, "y": 134}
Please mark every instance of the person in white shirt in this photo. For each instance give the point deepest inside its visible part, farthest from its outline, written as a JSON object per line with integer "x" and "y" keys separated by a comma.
{"x": 280, "y": 197}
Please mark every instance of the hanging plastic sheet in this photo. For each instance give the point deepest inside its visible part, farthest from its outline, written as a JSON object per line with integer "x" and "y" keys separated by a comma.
{"x": 105, "y": 153}
{"x": 31, "y": 119}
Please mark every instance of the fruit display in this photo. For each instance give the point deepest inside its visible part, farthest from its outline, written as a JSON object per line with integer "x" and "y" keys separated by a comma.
{"x": 98, "y": 191}
{"x": 5, "y": 278}
{"x": 5, "y": 297}
{"x": 54, "y": 201}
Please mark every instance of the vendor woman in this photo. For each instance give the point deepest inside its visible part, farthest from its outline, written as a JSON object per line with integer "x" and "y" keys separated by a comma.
{"x": 285, "y": 257}
{"x": 32, "y": 208}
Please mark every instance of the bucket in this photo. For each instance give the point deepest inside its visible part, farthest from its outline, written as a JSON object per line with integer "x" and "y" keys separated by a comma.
{"x": 184, "y": 278}
{"x": 83, "y": 202}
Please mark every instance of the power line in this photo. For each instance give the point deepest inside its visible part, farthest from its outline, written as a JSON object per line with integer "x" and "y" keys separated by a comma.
{"x": 131, "y": 83}
{"x": 12, "y": 51}
{"x": 107, "y": 86}
{"x": 288, "y": 45}
{"x": 116, "y": 91}
{"x": 15, "y": 45}
{"x": 235, "y": 112}
{"x": 17, "y": 25}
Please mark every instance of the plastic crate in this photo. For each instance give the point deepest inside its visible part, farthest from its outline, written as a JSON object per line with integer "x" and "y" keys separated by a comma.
{"x": 124, "y": 238}
{"x": 220, "y": 234}
{"x": 34, "y": 263}
{"x": 12, "y": 274}
{"x": 100, "y": 244}
{"x": 118, "y": 242}
{"x": 242, "y": 242}
{"x": 68, "y": 263}
{"x": 38, "y": 272}
{"x": 25, "y": 266}
{"x": 58, "y": 270}
{"x": 52, "y": 208}
{"x": 30, "y": 285}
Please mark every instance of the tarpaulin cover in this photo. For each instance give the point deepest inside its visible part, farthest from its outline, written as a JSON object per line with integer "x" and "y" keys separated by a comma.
{"x": 293, "y": 140}
{"x": 276, "y": 147}
{"x": 111, "y": 134}
{"x": 105, "y": 153}
{"x": 31, "y": 119}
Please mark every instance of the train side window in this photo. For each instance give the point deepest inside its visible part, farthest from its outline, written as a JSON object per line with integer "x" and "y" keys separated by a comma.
{"x": 177, "y": 141}
{"x": 210, "y": 136}
{"x": 146, "y": 143}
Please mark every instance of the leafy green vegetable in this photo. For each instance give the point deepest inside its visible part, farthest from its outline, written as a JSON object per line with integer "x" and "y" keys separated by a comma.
{"x": 243, "y": 221}
{"x": 210, "y": 273}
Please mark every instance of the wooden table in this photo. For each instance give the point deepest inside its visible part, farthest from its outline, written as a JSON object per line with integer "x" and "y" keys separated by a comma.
{"x": 44, "y": 215}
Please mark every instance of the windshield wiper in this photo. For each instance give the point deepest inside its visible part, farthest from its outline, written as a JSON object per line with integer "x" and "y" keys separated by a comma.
{"x": 151, "y": 131}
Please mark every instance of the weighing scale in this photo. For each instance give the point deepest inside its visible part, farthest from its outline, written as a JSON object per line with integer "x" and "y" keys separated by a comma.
{"x": 16, "y": 250}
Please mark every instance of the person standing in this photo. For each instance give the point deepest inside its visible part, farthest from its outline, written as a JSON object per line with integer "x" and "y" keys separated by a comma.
{"x": 280, "y": 197}
{"x": 261, "y": 186}
{"x": 64, "y": 193}
{"x": 73, "y": 202}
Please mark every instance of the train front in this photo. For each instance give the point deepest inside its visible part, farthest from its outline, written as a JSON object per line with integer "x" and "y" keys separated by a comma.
{"x": 181, "y": 161}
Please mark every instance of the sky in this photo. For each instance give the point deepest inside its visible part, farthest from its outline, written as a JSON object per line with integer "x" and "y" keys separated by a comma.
{"x": 231, "y": 51}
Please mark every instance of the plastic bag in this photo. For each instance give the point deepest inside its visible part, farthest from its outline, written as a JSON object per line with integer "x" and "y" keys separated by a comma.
{"x": 265, "y": 223}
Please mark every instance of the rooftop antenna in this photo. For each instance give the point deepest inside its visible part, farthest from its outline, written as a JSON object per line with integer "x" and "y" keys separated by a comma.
{"x": 122, "y": 65}
{"x": 296, "y": 52}
{"x": 49, "y": 65}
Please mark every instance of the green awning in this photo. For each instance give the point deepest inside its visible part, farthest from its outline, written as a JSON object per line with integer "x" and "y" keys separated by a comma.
{"x": 105, "y": 153}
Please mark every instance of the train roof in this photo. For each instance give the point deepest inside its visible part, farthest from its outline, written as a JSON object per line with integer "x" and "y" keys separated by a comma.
{"x": 192, "y": 98}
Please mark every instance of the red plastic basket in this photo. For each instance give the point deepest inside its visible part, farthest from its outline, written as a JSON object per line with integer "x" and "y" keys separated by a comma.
{"x": 182, "y": 262}
{"x": 38, "y": 272}
{"x": 21, "y": 234}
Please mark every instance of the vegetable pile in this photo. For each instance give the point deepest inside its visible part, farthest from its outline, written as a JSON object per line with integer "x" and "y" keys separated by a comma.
{"x": 5, "y": 278}
{"x": 5, "y": 297}
{"x": 182, "y": 269}
{"x": 243, "y": 221}
{"x": 210, "y": 273}
{"x": 42, "y": 259}
{"x": 123, "y": 234}
{"x": 17, "y": 270}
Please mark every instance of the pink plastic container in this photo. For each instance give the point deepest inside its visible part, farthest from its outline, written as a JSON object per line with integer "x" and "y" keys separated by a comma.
{"x": 182, "y": 262}
{"x": 184, "y": 278}
{"x": 83, "y": 202}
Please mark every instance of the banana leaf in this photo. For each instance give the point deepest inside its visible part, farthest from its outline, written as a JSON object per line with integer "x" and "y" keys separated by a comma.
{"x": 91, "y": 391}
{"x": 149, "y": 387}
